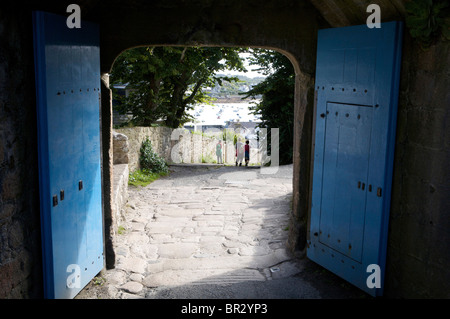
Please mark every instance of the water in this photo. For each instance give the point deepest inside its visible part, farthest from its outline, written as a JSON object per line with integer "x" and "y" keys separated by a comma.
{"x": 221, "y": 113}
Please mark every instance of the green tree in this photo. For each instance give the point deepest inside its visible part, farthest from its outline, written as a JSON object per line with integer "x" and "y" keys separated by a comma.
{"x": 276, "y": 107}
{"x": 165, "y": 82}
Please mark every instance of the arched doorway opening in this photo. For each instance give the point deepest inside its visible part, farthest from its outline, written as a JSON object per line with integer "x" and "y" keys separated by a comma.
{"x": 302, "y": 122}
{"x": 285, "y": 200}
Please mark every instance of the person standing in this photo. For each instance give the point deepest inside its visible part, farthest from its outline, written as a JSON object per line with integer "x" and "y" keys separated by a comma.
{"x": 219, "y": 152}
{"x": 239, "y": 152}
{"x": 247, "y": 152}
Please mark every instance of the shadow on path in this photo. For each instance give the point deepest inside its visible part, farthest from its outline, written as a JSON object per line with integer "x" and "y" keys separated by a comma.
{"x": 216, "y": 232}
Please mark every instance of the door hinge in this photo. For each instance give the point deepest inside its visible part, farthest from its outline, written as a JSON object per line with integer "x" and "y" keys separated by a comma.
{"x": 55, "y": 200}
{"x": 379, "y": 191}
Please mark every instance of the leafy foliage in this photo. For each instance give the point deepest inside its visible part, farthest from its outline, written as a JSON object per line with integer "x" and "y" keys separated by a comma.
{"x": 165, "y": 82}
{"x": 151, "y": 161}
{"x": 276, "y": 107}
{"x": 427, "y": 19}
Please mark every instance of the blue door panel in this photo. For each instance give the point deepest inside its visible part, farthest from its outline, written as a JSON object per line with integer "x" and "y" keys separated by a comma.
{"x": 348, "y": 129}
{"x": 67, "y": 88}
{"x": 357, "y": 79}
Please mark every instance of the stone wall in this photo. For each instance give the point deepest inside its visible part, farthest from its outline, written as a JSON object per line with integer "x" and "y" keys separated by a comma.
{"x": 179, "y": 146}
{"x": 120, "y": 149}
{"x": 20, "y": 243}
{"x": 418, "y": 252}
{"x": 120, "y": 195}
{"x": 120, "y": 180}
{"x": 159, "y": 136}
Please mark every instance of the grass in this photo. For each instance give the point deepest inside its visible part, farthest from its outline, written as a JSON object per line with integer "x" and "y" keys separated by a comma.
{"x": 99, "y": 281}
{"x": 143, "y": 177}
{"x": 208, "y": 159}
{"x": 121, "y": 230}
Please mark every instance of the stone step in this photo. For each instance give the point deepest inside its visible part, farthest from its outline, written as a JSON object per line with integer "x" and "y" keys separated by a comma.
{"x": 222, "y": 262}
{"x": 202, "y": 277}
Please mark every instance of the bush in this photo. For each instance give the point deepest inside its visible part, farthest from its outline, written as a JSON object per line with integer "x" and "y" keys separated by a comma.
{"x": 151, "y": 161}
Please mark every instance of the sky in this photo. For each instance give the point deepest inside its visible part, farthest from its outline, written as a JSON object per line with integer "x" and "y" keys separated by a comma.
{"x": 250, "y": 69}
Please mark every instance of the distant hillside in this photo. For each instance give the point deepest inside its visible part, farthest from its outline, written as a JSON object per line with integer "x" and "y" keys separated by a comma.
{"x": 228, "y": 90}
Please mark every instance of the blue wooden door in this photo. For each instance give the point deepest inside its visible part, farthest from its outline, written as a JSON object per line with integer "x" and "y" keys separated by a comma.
{"x": 357, "y": 79}
{"x": 67, "y": 68}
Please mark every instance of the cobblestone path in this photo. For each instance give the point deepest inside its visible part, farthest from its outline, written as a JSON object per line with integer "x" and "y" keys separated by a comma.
{"x": 210, "y": 226}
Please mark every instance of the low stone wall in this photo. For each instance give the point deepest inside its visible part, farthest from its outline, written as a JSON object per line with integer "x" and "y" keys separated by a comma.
{"x": 120, "y": 194}
{"x": 179, "y": 146}
{"x": 120, "y": 148}
{"x": 120, "y": 179}
{"x": 160, "y": 137}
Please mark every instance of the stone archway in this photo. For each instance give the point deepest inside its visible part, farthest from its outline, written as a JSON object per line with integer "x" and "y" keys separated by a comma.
{"x": 297, "y": 227}
{"x": 235, "y": 25}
